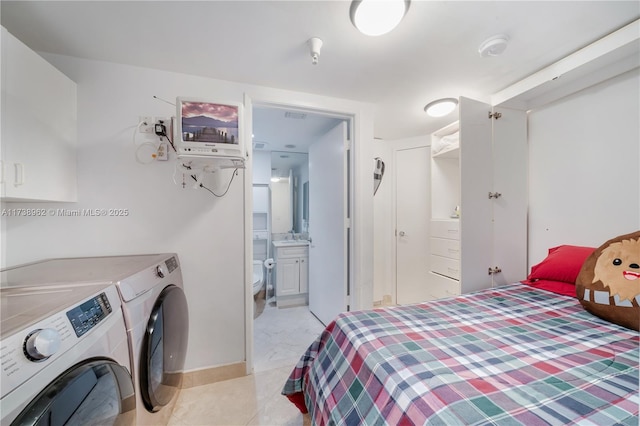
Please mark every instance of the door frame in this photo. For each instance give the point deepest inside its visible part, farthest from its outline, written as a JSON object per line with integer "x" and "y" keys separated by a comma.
{"x": 355, "y": 242}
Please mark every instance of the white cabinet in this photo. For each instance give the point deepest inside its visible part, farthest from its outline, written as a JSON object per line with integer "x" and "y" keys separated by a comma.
{"x": 292, "y": 274}
{"x": 445, "y": 248}
{"x": 261, "y": 221}
{"x": 485, "y": 175}
{"x": 38, "y": 135}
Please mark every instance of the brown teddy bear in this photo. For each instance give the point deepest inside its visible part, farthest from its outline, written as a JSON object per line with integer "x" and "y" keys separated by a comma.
{"x": 608, "y": 285}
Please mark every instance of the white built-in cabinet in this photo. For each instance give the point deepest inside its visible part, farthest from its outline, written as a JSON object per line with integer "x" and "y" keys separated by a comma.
{"x": 261, "y": 212}
{"x": 39, "y": 127}
{"x": 485, "y": 176}
{"x": 292, "y": 275}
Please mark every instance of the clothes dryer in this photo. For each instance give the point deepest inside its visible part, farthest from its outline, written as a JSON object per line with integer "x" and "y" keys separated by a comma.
{"x": 155, "y": 312}
{"x": 65, "y": 357}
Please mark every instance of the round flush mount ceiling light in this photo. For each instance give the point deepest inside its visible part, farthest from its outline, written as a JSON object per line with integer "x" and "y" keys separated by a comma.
{"x": 377, "y": 17}
{"x": 441, "y": 107}
{"x": 493, "y": 46}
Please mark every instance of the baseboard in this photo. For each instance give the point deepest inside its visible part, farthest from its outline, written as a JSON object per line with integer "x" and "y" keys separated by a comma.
{"x": 207, "y": 376}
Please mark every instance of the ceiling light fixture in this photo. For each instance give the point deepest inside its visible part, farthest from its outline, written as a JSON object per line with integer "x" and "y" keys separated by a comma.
{"x": 377, "y": 17}
{"x": 493, "y": 46}
{"x": 441, "y": 107}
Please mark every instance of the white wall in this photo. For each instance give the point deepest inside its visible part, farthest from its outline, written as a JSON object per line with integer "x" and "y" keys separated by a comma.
{"x": 383, "y": 272}
{"x": 208, "y": 233}
{"x": 584, "y": 177}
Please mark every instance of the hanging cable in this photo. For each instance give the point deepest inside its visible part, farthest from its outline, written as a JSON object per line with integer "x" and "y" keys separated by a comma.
{"x": 235, "y": 172}
{"x": 170, "y": 141}
{"x": 199, "y": 184}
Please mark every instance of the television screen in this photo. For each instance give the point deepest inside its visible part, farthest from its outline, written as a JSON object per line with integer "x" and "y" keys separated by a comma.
{"x": 208, "y": 122}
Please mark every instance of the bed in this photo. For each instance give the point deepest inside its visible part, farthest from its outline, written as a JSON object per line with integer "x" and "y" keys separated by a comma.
{"x": 506, "y": 356}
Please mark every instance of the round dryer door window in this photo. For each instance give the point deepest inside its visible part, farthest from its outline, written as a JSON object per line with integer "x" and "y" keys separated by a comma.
{"x": 164, "y": 349}
{"x": 96, "y": 392}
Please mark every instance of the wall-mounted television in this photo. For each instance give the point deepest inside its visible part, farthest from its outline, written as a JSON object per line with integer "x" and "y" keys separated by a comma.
{"x": 207, "y": 128}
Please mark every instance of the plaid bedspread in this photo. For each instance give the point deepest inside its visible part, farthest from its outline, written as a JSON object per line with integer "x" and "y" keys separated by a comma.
{"x": 508, "y": 356}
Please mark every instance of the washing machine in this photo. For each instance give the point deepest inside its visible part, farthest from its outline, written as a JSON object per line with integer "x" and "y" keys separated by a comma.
{"x": 155, "y": 312}
{"x": 65, "y": 359}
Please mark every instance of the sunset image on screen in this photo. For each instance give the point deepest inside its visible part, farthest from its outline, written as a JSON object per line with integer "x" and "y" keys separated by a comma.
{"x": 209, "y": 122}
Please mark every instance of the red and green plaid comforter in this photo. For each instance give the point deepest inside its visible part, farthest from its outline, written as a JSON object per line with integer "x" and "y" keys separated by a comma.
{"x": 507, "y": 356}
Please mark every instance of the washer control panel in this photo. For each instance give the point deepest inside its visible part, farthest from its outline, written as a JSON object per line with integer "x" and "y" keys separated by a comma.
{"x": 172, "y": 263}
{"x": 32, "y": 349}
{"x": 88, "y": 314}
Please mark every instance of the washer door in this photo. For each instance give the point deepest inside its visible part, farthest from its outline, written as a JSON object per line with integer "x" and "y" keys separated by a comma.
{"x": 164, "y": 349}
{"x": 93, "y": 392}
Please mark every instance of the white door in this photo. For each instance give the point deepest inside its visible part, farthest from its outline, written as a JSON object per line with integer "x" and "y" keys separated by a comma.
{"x": 327, "y": 224}
{"x": 476, "y": 179}
{"x": 412, "y": 224}
{"x": 510, "y": 176}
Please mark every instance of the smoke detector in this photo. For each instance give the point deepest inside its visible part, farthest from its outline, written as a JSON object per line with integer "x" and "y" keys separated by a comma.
{"x": 493, "y": 46}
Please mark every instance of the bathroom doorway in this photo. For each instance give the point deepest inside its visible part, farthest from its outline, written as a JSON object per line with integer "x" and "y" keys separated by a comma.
{"x": 283, "y": 326}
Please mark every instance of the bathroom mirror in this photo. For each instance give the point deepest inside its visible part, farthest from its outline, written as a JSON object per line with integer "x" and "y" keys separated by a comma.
{"x": 289, "y": 173}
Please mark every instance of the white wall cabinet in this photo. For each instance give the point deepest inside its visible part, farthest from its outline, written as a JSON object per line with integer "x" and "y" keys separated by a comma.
{"x": 491, "y": 232}
{"x": 292, "y": 275}
{"x": 39, "y": 127}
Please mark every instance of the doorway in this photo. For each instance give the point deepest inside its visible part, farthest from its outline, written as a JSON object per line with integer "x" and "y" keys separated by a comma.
{"x": 281, "y": 139}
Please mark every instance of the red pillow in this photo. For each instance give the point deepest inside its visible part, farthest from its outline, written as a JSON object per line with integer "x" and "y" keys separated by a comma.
{"x": 559, "y": 270}
{"x": 562, "y": 264}
{"x": 558, "y": 287}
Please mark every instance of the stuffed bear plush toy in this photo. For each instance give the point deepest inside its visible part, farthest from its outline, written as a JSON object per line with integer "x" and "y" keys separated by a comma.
{"x": 608, "y": 285}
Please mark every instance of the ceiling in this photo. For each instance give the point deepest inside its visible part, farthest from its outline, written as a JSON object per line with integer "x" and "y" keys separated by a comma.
{"x": 277, "y": 129}
{"x": 433, "y": 53}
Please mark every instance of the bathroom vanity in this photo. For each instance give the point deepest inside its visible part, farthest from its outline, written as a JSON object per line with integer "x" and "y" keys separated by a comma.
{"x": 292, "y": 272}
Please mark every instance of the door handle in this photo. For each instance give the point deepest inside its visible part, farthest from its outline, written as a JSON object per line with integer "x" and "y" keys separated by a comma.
{"x": 19, "y": 174}
{"x": 402, "y": 233}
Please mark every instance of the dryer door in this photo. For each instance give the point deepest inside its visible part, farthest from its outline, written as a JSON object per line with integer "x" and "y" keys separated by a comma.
{"x": 164, "y": 349}
{"x": 96, "y": 391}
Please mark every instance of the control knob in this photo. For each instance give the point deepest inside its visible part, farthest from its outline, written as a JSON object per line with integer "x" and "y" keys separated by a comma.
{"x": 41, "y": 344}
{"x": 160, "y": 271}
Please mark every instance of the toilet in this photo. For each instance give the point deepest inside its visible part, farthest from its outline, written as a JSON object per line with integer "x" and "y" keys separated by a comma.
{"x": 258, "y": 276}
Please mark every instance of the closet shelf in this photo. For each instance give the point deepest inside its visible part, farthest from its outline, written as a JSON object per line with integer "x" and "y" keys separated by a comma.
{"x": 450, "y": 152}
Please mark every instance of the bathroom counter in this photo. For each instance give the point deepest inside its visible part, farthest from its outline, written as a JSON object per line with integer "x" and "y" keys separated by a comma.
{"x": 290, "y": 243}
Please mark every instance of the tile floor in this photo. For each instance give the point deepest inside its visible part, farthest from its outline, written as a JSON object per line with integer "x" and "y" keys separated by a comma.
{"x": 280, "y": 337}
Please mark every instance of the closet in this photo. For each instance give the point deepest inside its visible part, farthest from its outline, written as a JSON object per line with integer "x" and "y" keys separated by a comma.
{"x": 479, "y": 200}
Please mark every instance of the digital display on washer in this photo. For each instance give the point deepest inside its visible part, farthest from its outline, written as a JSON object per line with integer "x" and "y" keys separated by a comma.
{"x": 171, "y": 263}
{"x": 86, "y": 315}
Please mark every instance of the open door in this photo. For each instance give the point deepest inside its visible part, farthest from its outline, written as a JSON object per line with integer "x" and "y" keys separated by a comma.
{"x": 328, "y": 171}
